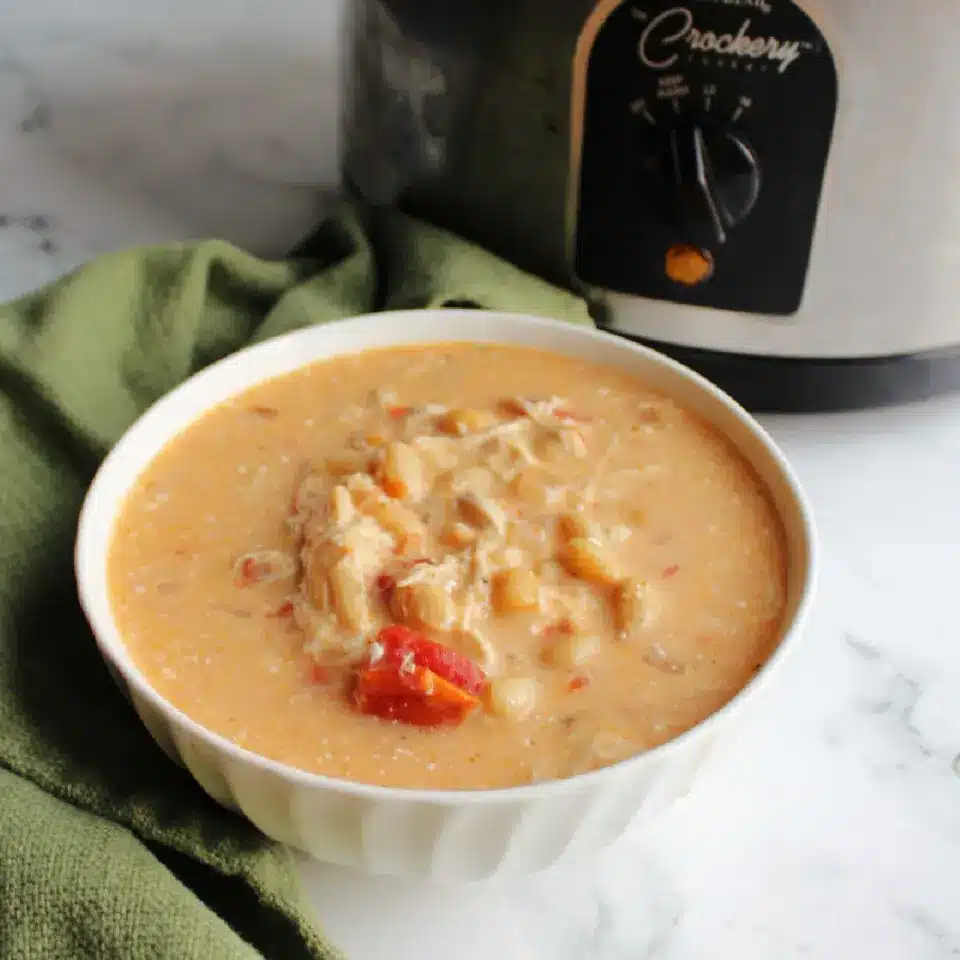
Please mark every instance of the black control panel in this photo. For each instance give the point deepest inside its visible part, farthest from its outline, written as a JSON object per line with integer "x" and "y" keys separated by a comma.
{"x": 704, "y": 125}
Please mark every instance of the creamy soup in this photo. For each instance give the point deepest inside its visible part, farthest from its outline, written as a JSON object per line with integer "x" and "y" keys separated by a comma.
{"x": 455, "y": 566}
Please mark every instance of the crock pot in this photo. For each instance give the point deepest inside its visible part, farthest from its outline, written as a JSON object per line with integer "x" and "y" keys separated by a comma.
{"x": 765, "y": 189}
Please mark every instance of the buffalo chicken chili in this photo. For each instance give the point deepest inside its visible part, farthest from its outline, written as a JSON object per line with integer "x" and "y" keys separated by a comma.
{"x": 461, "y": 566}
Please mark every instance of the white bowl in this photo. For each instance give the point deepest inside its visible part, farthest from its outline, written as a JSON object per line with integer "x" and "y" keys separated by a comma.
{"x": 464, "y": 835}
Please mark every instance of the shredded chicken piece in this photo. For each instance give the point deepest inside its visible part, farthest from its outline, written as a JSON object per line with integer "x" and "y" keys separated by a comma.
{"x": 574, "y": 443}
{"x": 489, "y": 659}
{"x": 475, "y": 441}
{"x": 311, "y": 492}
{"x": 327, "y": 644}
{"x": 520, "y": 450}
{"x": 440, "y": 451}
{"x": 477, "y": 601}
{"x": 447, "y": 574}
{"x": 483, "y": 512}
{"x": 366, "y": 542}
{"x": 543, "y": 412}
{"x": 475, "y": 481}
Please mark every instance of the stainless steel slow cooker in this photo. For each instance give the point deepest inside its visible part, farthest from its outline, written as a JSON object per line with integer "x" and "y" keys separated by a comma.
{"x": 766, "y": 189}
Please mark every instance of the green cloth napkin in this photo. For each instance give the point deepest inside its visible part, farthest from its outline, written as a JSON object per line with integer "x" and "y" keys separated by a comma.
{"x": 107, "y": 849}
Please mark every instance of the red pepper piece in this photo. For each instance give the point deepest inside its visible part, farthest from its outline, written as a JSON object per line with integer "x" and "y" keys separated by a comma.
{"x": 671, "y": 571}
{"x": 385, "y": 684}
{"x": 393, "y": 681}
{"x": 399, "y": 412}
{"x": 411, "y": 710}
{"x": 385, "y": 585}
{"x": 283, "y": 612}
{"x": 399, "y": 642}
{"x": 579, "y": 682}
{"x": 268, "y": 413}
{"x": 250, "y": 573}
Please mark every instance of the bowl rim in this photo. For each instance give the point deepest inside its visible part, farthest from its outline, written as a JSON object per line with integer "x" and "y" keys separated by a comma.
{"x": 107, "y": 635}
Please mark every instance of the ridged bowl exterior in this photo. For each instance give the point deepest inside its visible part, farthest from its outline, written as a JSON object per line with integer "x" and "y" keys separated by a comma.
{"x": 450, "y": 835}
{"x": 442, "y": 839}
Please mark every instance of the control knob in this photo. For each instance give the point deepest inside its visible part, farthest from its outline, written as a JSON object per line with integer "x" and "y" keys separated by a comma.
{"x": 709, "y": 179}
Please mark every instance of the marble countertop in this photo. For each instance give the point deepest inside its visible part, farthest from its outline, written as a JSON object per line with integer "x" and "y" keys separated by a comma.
{"x": 831, "y": 829}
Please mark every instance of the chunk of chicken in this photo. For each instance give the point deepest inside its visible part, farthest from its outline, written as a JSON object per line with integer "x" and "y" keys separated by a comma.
{"x": 342, "y": 509}
{"x": 398, "y": 519}
{"x": 424, "y": 604}
{"x": 513, "y": 698}
{"x": 401, "y": 472}
{"x": 350, "y": 597}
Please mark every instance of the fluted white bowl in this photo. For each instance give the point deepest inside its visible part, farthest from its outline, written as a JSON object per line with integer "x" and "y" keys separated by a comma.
{"x": 463, "y": 835}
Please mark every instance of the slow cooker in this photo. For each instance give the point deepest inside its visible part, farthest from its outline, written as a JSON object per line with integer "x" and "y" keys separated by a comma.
{"x": 764, "y": 189}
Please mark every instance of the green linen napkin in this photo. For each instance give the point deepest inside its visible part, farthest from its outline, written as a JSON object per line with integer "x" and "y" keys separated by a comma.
{"x": 107, "y": 849}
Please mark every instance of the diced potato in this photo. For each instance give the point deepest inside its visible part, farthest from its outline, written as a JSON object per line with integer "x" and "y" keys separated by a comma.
{"x": 571, "y": 650}
{"x": 342, "y": 509}
{"x": 458, "y": 423}
{"x": 530, "y": 486}
{"x": 516, "y": 589}
{"x": 350, "y": 598}
{"x": 401, "y": 472}
{"x": 513, "y": 698}
{"x": 398, "y": 519}
{"x": 591, "y": 561}
{"x": 482, "y": 512}
{"x": 635, "y": 605}
{"x": 459, "y": 535}
{"x": 424, "y": 604}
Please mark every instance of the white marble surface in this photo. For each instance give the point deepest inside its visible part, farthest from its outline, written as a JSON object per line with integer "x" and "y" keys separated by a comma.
{"x": 831, "y": 829}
